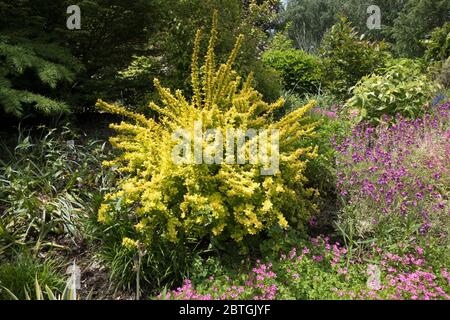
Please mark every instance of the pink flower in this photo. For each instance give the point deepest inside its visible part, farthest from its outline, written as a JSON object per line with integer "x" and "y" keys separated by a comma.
{"x": 318, "y": 258}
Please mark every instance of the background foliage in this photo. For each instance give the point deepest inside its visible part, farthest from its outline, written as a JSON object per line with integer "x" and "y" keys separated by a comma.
{"x": 373, "y": 151}
{"x": 399, "y": 88}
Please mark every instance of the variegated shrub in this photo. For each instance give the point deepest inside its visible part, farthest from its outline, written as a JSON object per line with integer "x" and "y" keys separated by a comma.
{"x": 172, "y": 202}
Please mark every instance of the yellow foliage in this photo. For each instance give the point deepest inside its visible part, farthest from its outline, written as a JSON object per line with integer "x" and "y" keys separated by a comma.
{"x": 129, "y": 243}
{"x": 173, "y": 201}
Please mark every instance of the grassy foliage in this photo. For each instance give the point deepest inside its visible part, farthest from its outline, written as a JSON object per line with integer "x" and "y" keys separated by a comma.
{"x": 18, "y": 276}
{"x": 46, "y": 185}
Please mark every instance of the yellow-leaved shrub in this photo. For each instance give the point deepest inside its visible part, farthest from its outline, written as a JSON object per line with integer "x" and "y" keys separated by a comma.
{"x": 172, "y": 202}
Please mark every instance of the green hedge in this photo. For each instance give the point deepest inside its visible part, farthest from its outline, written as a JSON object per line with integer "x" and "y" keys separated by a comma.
{"x": 301, "y": 72}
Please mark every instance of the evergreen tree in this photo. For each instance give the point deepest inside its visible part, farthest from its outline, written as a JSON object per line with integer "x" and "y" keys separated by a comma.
{"x": 112, "y": 33}
{"x": 308, "y": 20}
{"x": 416, "y": 22}
{"x": 168, "y": 53}
{"x": 34, "y": 66}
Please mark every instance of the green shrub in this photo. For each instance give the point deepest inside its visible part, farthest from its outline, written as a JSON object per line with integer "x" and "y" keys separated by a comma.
{"x": 441, "y": 74}
{"x": 321, "y": 170}
{"x": 301, "y": 72}
{"x": 280, "y": 42}
{"x": 438, "y": 45}
{"x": 347, "y": 57}
{"x": 269, "y": 82}
{"x": 400, "y": 88}
{"x": 438, "y": 54}
{"x": 414, "y": 22}
{"x": 168, "y": 204}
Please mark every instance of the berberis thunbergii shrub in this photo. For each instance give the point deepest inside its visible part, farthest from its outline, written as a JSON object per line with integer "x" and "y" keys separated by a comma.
{"x": 172, "y": 202}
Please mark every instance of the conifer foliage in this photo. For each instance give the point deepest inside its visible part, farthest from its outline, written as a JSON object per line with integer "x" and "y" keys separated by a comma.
{"x": 32, "y": 64}
{"x": 22, "y": 58}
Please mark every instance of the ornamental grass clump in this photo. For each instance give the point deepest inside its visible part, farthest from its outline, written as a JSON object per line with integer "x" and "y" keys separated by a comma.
{"x": 172, "y": 202}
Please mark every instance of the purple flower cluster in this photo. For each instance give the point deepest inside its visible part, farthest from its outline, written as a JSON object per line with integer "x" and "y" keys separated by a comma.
{"x": 400, "y": 169}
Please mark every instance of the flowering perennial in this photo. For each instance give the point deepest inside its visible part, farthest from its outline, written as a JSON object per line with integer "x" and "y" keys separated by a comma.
{"x": 396, "y": 177}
